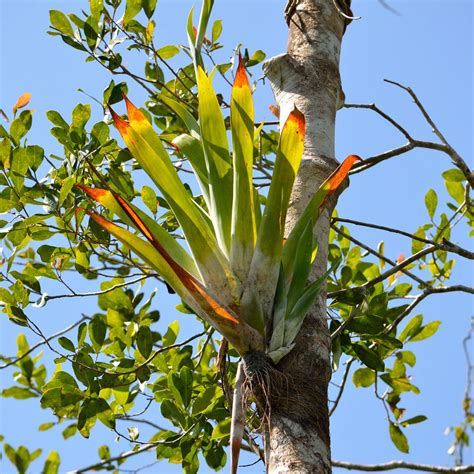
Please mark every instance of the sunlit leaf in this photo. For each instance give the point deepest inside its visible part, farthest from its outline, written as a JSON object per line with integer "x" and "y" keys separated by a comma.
{"x": 216, "y": 152}
{"x": 244, "y": 231}
{"x": 147, "y": 148}
{"x": 265, "y": 264}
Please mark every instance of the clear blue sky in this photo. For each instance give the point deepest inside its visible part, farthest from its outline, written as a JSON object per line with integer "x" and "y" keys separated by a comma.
{"x": 429, "y": 47}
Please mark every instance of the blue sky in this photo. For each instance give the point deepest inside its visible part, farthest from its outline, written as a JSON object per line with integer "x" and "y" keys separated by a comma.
{"x": 429, "y": 47}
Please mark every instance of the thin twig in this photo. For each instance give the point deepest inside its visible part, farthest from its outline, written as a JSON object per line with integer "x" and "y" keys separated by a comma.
{"x": 400, "y": 465}
{"x": 102, "y": 292}
{"x": 383, "y": 276}
{"x": 341, "y": 388}
{"x": 378, "y": 255}
{"x": 445, "y": 245}
{"x": 419, "y": 298}
{"x": 457, "y": 160}
{"x": 45, "y": 341}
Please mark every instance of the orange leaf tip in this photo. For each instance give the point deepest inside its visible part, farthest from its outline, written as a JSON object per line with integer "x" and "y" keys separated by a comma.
{"x": 297, "y": 117}
{"x": 94, "y": 193}
{"x": 241, "y": 79}
{"x": 134, "y": 113}
{"x": 22, "y": 101}
{"x": 346, "y": 165}
{"x": 121, "y": 124}
{"x": 338, "y": 176}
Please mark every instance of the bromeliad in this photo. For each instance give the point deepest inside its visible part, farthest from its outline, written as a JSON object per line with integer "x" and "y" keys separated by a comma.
{"x": 241, "y": 276}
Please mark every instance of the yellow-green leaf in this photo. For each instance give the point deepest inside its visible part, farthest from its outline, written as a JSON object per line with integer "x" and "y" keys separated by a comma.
{"x": 216, "y": 152}
{"x": 244, "y": 232}
{"x": 146, "y": 147}
{"x": 265, "y": 265}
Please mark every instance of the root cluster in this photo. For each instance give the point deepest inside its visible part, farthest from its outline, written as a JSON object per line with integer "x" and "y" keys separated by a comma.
{"x": 272, "y": 390}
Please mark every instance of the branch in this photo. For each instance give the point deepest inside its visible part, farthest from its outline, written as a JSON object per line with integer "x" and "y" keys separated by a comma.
{"x": 389, "y": 8}
{"x": 400, "y": 465}
{"x": 444, "y": 146}
{"x": 127, "y": 454}
{"x": 120, "y": 457}
{"x": 419, "y": 298}
{"x": 446, "y": 245}
{"x": 377, "y": 254}
{"x": 47, "y": 297}
{"x": 397, "y": 268}
{"x": 341, "y": 388}
{"x": 44, "y": 341}
{"x": 458, "y": 161}
{"x": 369, "y": 162}
{"x": 385, "y": 116}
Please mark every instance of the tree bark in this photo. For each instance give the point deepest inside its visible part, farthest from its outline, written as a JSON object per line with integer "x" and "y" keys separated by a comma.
{"x": 297, "y": 439}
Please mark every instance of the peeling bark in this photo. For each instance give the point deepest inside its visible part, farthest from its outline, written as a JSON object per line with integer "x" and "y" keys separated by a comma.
{"x": 308, "y": 76}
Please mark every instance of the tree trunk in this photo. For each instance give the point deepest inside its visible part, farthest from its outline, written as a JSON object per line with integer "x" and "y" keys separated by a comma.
{"x": 307, "y": 76}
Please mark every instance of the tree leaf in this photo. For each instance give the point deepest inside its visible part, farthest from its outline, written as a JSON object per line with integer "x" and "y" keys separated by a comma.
{"x": 66, "y": 187}
{"x": 369, "y": 357}
{"x": 19, "y": 393}
{"x": 363, "y": 377}
{"x": 204, "y": 400}
{"x": 149, "y": 199}
{"x": 426, "y": 331}
{"x": 411, "y": 328}
{"x": 61, "y": 22}
{"x": 216, "y": 30}
{"x": 167, "y": 52}
{"x": 52, "y": 463}
{"x": 414, "y": 420}
{"x": 144, "y": 341}
{"x": 96, "y": 8}
{"x": 454, "y": 175}
{"x": 67, "y": 344}
{"x": 398, "y": 438}
{"x": 222, "y": 429}
{"x": 431, "y": 202}
{"x": 132, "y": 9}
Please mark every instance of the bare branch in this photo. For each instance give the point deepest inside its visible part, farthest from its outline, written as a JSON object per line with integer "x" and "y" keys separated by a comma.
{"x": 47, "y": 297}
{"x": 374, "y": 160}
{"x": 385, "y": 116}
{"x": 444, "y": 146}
{"x": 343, "y": 385}
{"x": 458, "y": 161}
{"x": 400, "y": 465}
{"x": 419, "y": 298}
{"x": 123, "y": 456}
{"x": 445, "y": 245}
{"x": 120, "y": 457}
{"x": 389, "y": 8}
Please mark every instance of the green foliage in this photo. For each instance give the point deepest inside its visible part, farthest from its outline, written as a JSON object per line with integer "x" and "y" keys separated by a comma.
{"x": 110, "y": 362}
